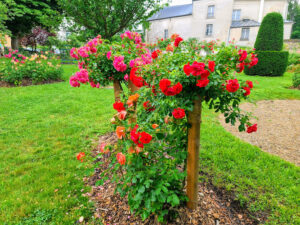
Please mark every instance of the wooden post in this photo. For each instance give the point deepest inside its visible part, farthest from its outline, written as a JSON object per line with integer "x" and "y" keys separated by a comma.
{"x": 132, "y": 87}
{"x": 194, "y": 120}
{"x": 117, "y": 90}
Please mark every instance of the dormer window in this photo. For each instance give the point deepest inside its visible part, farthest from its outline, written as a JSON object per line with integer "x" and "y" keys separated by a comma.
{"x": 236, "y": 15}
{"x": 211, "y": 11}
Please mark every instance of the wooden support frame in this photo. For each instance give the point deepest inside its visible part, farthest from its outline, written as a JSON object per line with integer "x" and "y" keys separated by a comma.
{"x": 194, "y": 120}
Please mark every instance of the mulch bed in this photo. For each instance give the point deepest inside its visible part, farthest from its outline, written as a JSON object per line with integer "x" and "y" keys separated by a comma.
{"x": 27, "y": 82}
{"x": 216, "y": 206}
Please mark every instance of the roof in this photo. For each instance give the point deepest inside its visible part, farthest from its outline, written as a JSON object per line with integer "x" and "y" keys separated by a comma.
{"x": 244, "y": 23}
{"x": 173, "y": 11}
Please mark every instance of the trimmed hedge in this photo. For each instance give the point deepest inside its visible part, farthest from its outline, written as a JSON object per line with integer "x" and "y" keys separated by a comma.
{"x": 270, "y": 34}
{"x": 270, "y": 63}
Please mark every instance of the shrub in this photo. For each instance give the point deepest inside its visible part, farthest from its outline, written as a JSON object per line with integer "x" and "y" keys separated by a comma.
{"x": 270, "y": 63}
{"x": 270, "y": 34}
{"x": 294, "y": 59}
{"x": 36, "y": 68}
{"x": 296, "y": 80}
{"x": 269, "y": 42}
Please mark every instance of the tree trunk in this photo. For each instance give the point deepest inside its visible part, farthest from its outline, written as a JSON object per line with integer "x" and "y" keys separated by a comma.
{"x": 15, "y": 43}
{"x": 117, "y": 90}
{"x": 194, "y": 119}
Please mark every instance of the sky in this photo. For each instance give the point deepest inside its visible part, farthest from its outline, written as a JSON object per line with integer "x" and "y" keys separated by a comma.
{"x": 179, "y": 2}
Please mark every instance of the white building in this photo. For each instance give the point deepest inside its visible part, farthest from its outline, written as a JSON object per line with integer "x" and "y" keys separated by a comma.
{"x": 216, "y": 19}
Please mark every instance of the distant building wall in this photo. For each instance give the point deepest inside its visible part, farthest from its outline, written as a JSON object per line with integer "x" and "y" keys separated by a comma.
{"x": 194, "y": 26}
{"x": 180, "y": 25}
{"x": 8, "y": 41}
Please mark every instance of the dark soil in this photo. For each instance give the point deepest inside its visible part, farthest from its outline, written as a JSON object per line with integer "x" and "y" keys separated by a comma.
{"x": 27, "y": 82}
{"x": 215, "y": 206}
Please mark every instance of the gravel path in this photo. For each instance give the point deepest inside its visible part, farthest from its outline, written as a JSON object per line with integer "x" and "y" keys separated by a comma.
{"x": 278, "y": 128}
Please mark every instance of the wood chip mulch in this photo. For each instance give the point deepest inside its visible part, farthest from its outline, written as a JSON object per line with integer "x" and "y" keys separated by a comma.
{"x": 216, "y": 206}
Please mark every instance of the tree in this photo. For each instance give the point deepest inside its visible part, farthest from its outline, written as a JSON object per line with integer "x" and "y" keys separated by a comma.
{"x": 109, "y": 17}
{"x": 27, "y": 14}
{"x": 269, "y": 42}
{"x": 294, "y": 15}
{"x": 37, "y": 36}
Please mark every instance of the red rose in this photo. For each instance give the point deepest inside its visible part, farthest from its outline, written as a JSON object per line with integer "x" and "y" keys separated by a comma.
{"x": 80, "y": 156}
{"x": 177, "y": 41}
{"x": 211, "y": 66}
{"x": 249, "y": 83}
{"x": 232, "y": 85}
{"x": 247, "y": 91}
{"x": 240, "y": 67}
{"x": 153, "y": 90}
{"x": 177, "y": 88}
{"x": 204, "y": 75}
{"x": 145, "y": 138}
{"x": 121, "y": 158}
{"x": 178, "y": 113}
{"x": 254, "y": 60}
{"x": 148, "y": 107}
{"x": 137, "y": 81}
{"x": 243, "y": 55}
{"x": 119, "y": 106}
{"x": 154, "y": 55}
{"x": 202, "y": 83}
{"x": 122, "y": 115}
{"x": 252, "y": 128}
{"x": 197, "y": 68}
{"x": 164, "y": 84}
{"x": 187, "y": 69}
{"x": 170, "y": 91}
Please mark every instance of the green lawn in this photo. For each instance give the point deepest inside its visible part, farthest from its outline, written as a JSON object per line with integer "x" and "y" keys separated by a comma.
{"x": 41, "y": 130}
{"x": 43, "y": 127}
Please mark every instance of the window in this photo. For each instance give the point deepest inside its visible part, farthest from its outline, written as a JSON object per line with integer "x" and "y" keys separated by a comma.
{"x": 211, "y": 11}
{"x": 245, "y": 33}
{"x": 236, "y": 15}
{"x": 209, "y": 29}
{"x": 166, "y": 34}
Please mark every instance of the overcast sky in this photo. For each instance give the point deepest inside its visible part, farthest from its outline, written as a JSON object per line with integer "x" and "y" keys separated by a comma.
{"x": 179, "y": 2}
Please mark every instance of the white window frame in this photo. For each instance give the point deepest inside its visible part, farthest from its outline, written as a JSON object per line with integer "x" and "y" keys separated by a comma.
{"x": 235, "y": 13}
{"x": 245, "y": 34}
{"x": 211, "y": 11}
{"x": 209, "y": 30}
{"x": 166, "y": 33}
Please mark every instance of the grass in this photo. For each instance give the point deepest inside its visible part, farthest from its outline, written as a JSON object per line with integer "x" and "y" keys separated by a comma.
{"x": 43, "y": 127}
{"x": 262, "y": 182}
{"x": 41, "y": 130}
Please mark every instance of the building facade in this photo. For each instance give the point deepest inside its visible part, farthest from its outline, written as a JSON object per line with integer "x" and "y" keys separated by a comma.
{"x": 226, "y": 20}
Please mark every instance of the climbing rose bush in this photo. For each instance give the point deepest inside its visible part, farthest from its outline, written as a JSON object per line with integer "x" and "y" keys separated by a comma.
{"x": 152, "y": 125}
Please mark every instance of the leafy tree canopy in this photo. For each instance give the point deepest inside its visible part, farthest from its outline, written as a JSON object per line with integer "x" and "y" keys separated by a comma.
{"x": 109, "y": 17}
{"x": 23, "y": 15}
{"x": 294, "y": 15}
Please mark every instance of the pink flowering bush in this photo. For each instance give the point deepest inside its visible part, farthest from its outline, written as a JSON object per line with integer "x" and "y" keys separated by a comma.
{"x": 35, "y": 68}
{"x": 105, "y": 61}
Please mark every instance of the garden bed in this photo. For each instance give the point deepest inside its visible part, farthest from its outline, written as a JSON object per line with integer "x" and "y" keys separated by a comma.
{"x": 215, "y": 206}
{"x": 28, "y": 82}
{"x": 278, "y": 128}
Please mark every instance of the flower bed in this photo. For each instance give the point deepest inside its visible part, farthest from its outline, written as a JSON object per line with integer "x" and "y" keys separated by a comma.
{"x": 17, "y": 69}
{"x": 158, "y": 127}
